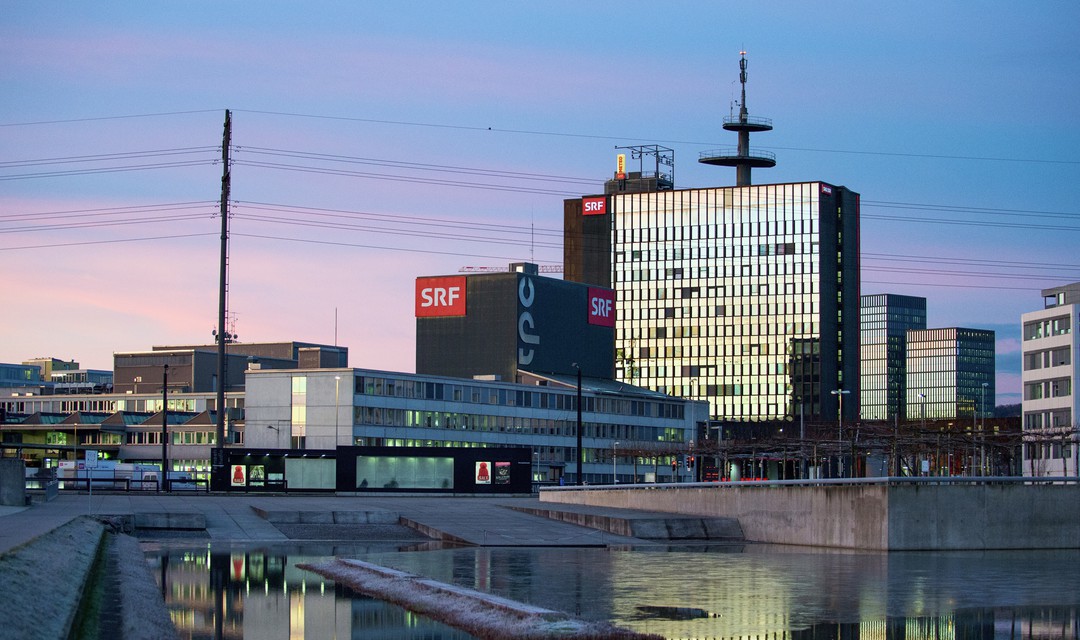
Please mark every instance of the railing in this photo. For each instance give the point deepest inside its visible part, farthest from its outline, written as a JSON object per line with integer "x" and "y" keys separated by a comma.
{"x": 120, "y": 484}
{"x": 761, "y": 122}
{"x": 824, "y": 482}
{"x": 733, "y": 152}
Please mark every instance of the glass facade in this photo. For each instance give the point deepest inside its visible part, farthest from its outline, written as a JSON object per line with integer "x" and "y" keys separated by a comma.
{"x": 884, "y": 321}
{"x": 743, "y": 296}
{"x": 946, "y": 373}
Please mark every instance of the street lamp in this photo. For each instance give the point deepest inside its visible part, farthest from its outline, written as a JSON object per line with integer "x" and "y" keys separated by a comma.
{"x": 982, "y": 431}
{"x": 614, "y": 478}
{"x": 922, "y": 411}
{"x": 580, "y": 452}
{"x": 337, "y": 408}
{"x": 840, "y": 393}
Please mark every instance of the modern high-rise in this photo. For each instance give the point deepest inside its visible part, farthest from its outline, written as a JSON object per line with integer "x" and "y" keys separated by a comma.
{"x": 1049, "y": 377}
{"x": 950, "y": 373}
{"x": 747, "y": 297}
{"x": 885, "y": 319}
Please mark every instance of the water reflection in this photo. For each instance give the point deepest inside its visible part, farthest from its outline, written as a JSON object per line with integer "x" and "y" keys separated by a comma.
{"x": 771, "y": 592}
{"x": 222, "y": 592}
{"x": 756, "y": 592}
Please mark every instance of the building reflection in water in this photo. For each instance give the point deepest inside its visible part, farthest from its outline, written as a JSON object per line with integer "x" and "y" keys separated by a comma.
{"x": 751, "y": 593}
{"x": 766, "y": 592}
{"x": 260, "y": 593}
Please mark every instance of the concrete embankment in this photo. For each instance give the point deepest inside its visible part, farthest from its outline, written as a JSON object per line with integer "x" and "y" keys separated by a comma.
{"x": 50, "y": 569}
{"x": 880, "y": 514}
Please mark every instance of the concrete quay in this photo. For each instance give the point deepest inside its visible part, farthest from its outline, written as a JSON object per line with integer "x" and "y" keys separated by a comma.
{"x": 876, "y": 514}
{"x": 481, "y": 521}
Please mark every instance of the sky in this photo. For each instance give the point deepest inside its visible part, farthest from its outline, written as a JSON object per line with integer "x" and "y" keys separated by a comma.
{"x": 373, "y": 143}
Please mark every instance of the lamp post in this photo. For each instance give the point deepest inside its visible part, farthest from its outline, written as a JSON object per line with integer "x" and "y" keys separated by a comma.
{"x": 165, "y": 429}
{"x": 337, "y": 408}
{"x": 922, "y": 412}
{"x": 840, "y": 393}
{"x": 982, "y": 432}
{"x": 614, "y": 477}
{"x": 580, "y": 452}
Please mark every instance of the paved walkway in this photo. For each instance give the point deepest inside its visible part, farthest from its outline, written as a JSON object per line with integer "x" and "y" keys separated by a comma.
{"x": 479, "y": 520}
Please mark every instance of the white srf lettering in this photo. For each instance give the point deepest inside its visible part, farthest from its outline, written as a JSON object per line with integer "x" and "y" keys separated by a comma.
{"x": 601, "y": 307}
{"x": 526, "y": 324}
{"x": 594, "y": 206}
{"x": 439, "y": 296}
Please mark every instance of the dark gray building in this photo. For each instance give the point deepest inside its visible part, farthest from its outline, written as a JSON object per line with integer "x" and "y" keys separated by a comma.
{"x": 504, "y": 324}
{"x": 193, "y": 369}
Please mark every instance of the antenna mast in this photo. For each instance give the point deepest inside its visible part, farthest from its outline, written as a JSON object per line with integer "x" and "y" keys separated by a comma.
{"x": 741, "y": 157}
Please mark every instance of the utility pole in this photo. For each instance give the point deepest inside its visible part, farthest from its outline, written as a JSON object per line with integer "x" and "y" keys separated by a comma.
{"x": 218, "y": 459}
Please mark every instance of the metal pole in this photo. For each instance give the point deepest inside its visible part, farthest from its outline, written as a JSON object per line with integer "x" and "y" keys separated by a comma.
{"x": 614, "y": 477}
{"x": 580, "y": 451}
{"x": 164, "y": 484}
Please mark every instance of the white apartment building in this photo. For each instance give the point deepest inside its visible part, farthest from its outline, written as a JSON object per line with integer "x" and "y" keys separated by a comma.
{"x": 1049, "y": 377}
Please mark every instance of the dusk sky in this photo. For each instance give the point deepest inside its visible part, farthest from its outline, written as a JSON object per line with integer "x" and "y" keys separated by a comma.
{"x": 377, "y": 142}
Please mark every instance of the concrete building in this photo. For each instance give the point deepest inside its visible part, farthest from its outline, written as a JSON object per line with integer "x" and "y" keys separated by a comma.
{"x": 628, "y": 431}
{"x": 950, "y": 375}
{"x": 1051, "y": 446}
{"x": 884, "y": 321}
{"x": 193, "y": 369}
{"x": 320, "y": 409}
{"x": 50, "y": 365}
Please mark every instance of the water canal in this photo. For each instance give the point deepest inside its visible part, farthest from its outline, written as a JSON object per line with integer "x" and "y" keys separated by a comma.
{"x": 216, "y": 590}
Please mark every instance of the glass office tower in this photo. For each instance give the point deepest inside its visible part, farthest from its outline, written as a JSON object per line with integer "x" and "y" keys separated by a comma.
{"x": 885, "y": 319}
{"x": 950, "y": 373}
{"x": 747, "y": 297}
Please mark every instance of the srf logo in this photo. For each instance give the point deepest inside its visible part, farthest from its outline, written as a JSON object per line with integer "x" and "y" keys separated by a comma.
{"x": 443, "y": 296}
{"x": 601, "y": 307}
{"x": 594, "y": 206}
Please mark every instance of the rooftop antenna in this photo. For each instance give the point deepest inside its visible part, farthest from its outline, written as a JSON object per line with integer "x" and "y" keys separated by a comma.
{"x": 741, "y": 157}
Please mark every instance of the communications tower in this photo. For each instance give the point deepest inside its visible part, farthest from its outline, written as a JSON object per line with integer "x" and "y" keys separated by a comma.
{"x": 741, "y": 157}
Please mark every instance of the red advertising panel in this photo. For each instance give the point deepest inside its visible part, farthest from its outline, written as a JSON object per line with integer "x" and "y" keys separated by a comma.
{"x": 601, "y": 307}
{"x": 441, "y": 296}
{"x": 594, "y": 206}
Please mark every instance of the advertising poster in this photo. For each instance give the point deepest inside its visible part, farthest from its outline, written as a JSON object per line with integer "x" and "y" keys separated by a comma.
{"x": 483, "y": 473}
{"x": 257, "y": 475}
{"x": 238, "y": 477}
{"x": 502, "y": 473}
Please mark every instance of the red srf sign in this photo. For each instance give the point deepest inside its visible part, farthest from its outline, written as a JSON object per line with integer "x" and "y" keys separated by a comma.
{"x": 441, "y": 296}
{"x": 601, "y": 307}
{"x": 594, "y": 206}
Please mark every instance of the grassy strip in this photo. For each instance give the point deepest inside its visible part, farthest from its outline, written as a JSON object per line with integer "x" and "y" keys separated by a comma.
{"x": 43, "y": 580}
{"x": 478, "y": 613}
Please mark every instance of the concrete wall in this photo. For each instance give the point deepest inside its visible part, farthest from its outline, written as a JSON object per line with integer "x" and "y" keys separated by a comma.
{"x": 12, "y": 482}
{"x": 872, "y": 515}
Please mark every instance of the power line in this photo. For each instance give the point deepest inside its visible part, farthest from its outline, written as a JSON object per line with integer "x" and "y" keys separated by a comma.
{"x": 98, "y": 118}
{"x": 57, "y": 245}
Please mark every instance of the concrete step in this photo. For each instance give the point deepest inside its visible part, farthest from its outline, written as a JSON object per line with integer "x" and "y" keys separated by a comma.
{"x": 644, "y": 525}
{"x": 377, "y": 516}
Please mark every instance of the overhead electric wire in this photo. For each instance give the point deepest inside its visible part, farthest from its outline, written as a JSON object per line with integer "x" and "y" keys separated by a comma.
{"x": 400, "y": 178}
{"x": 308, "y": 155}
{"x": 58, "y": 245}
{"x": 480, "y": 128}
